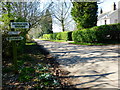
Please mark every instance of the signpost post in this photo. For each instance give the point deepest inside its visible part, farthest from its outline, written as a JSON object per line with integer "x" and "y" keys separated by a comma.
{"x": 15, "y": 37}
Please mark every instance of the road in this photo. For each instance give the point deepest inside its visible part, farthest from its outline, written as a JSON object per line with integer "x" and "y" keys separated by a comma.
{"x": 88, "y": 66}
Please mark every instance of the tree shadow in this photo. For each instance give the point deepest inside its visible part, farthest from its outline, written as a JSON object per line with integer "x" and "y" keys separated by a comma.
{"x": 36, "y": 49}
{"x": 97, "y": 77}
{"x": 101, "y": 75}
{"x": 71, "y": 60}
{"x": 77, "y": 59}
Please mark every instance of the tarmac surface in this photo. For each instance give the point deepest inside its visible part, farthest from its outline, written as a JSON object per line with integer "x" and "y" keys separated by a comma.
{"x": 88, "y": 66}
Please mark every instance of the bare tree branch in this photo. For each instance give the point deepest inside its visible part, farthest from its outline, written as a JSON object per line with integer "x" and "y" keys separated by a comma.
{"x": 61, "y": 11}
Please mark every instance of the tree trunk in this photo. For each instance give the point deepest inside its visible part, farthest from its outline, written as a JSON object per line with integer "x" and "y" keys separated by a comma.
{"x": 63, "y": 26}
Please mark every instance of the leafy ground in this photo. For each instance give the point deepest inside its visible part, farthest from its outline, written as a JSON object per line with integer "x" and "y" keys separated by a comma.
{"x": 36, "y": 69}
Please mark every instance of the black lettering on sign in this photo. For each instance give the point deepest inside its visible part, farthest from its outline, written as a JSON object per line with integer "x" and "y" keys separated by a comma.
{"x": 19, "y": 26}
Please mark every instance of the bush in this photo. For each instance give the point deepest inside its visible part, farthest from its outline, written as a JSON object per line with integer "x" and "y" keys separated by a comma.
{"x": 64, "y": 36}
{"x": 100, "y": 34}
{"x": 47, "y": 36}
{"x": 6, "y": 48}
{"x": 59, "y": 36}
{"x": 54, "y": 36}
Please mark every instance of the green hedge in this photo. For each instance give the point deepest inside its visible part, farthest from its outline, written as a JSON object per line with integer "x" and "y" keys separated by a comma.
{"x": 67, "y": 35}
{"x": 102, "y": 33}
{"x": 48, "y": 36}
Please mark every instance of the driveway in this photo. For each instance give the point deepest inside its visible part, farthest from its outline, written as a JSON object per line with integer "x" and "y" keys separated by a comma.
{"x": 88, "y": 66}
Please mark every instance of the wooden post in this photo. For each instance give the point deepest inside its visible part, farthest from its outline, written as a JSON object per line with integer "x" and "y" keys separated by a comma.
{"x": 14, "y": 47}
{"x": 15, "y": 56}
{"x": 13, "y": 42}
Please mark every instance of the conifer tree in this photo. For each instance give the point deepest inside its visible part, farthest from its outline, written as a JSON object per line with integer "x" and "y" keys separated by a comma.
{"x": 85, "y": 14}
{"x": 46, "y": 23}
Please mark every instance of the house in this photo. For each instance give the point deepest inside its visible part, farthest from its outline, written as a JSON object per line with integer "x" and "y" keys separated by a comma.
{"x": 110, "y": 17}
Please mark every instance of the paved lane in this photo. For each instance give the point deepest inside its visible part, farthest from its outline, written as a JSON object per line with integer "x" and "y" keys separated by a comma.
{"x": 89, "y": 66}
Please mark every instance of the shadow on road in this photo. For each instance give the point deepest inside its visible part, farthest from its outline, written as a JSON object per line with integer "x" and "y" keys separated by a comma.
{"x": 77, "y": 59}
{"x": 97, "y": 77}
{"x": 38, "y": 48}
{"x": 101, "y": 75}
{"x": 67, "y": 55}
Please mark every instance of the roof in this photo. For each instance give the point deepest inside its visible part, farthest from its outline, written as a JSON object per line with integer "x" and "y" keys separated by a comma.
{"x": 103, "y": 15}
{"x": 107, "y": 14}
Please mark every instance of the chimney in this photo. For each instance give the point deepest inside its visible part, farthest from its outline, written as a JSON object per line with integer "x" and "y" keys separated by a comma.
{"x": 114, "y": 6}
{"x": 101, "y": 11}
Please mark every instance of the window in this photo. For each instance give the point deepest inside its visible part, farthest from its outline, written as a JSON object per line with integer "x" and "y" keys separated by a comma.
{"x": 116, "y": 21}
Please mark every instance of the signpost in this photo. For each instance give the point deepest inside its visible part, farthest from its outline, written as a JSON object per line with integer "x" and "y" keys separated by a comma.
{"x": 14, "y": 36}
{"x": 17, "y": 38}
{"x": 19, "y": 25}
{"x": 14, "y": 32}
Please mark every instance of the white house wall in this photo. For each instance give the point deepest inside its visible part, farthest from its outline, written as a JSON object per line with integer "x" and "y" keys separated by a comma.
{"x": 108, "y": 21}
{"x": 114, "y": 17}
{"x": 118, "y": 15}
{"x": 110, "y": 17}
{"x": 102, "y": 22}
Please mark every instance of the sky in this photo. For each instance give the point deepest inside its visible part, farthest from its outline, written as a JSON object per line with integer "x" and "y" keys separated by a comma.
{"x": 107, "y": 5}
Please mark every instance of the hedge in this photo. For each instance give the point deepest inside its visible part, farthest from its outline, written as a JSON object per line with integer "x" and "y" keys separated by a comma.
{"x": 67, "y": 35}
{"x": 102, "y": 33}
{"x": 49, "y": 36}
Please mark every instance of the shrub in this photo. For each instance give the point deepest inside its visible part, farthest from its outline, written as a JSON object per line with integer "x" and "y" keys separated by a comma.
{"x": 64, "y": 36}
{"x": 47, "y": 36}
{"x": 54, "y": 36}
{"x": 102, "y": 33}
{"x": 67, "y": 35}
{"x": 6, "y": 48}
{"x": 59, "y": 36}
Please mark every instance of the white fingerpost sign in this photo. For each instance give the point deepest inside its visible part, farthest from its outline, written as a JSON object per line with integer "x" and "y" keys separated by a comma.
{"x": 19, "y": 25}
{"x": 14, "y": 32}
{"x": 14, "y": 38}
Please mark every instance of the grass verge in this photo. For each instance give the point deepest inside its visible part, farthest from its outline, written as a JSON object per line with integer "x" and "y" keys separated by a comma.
{"x": 82, "y": 43}
{"x": 53, "y": 40}
{"x": 91, "y": 44}
{"x": 30, "y": 43}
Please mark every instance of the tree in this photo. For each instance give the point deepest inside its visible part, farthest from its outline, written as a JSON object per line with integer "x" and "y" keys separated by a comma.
{"x": 44, "y": 27}
{"x": 30, "y": 12}
{"x": 61, "y": 14}
{"x": 35, "y": 32}
{"x": 6, "y": 15}
{"x": 85, "y": 14}
{"x": 46, "y": 23}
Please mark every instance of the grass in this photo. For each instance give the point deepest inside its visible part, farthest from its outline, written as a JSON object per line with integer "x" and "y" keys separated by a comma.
{"x": 83, "y": 43}
{"x": 30, "y": 43}
{"x": 58, "y": 40}
{"x": 108, "y": 43}
{"x": 53, "y": 40}
{"x": 78, "y": 43}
